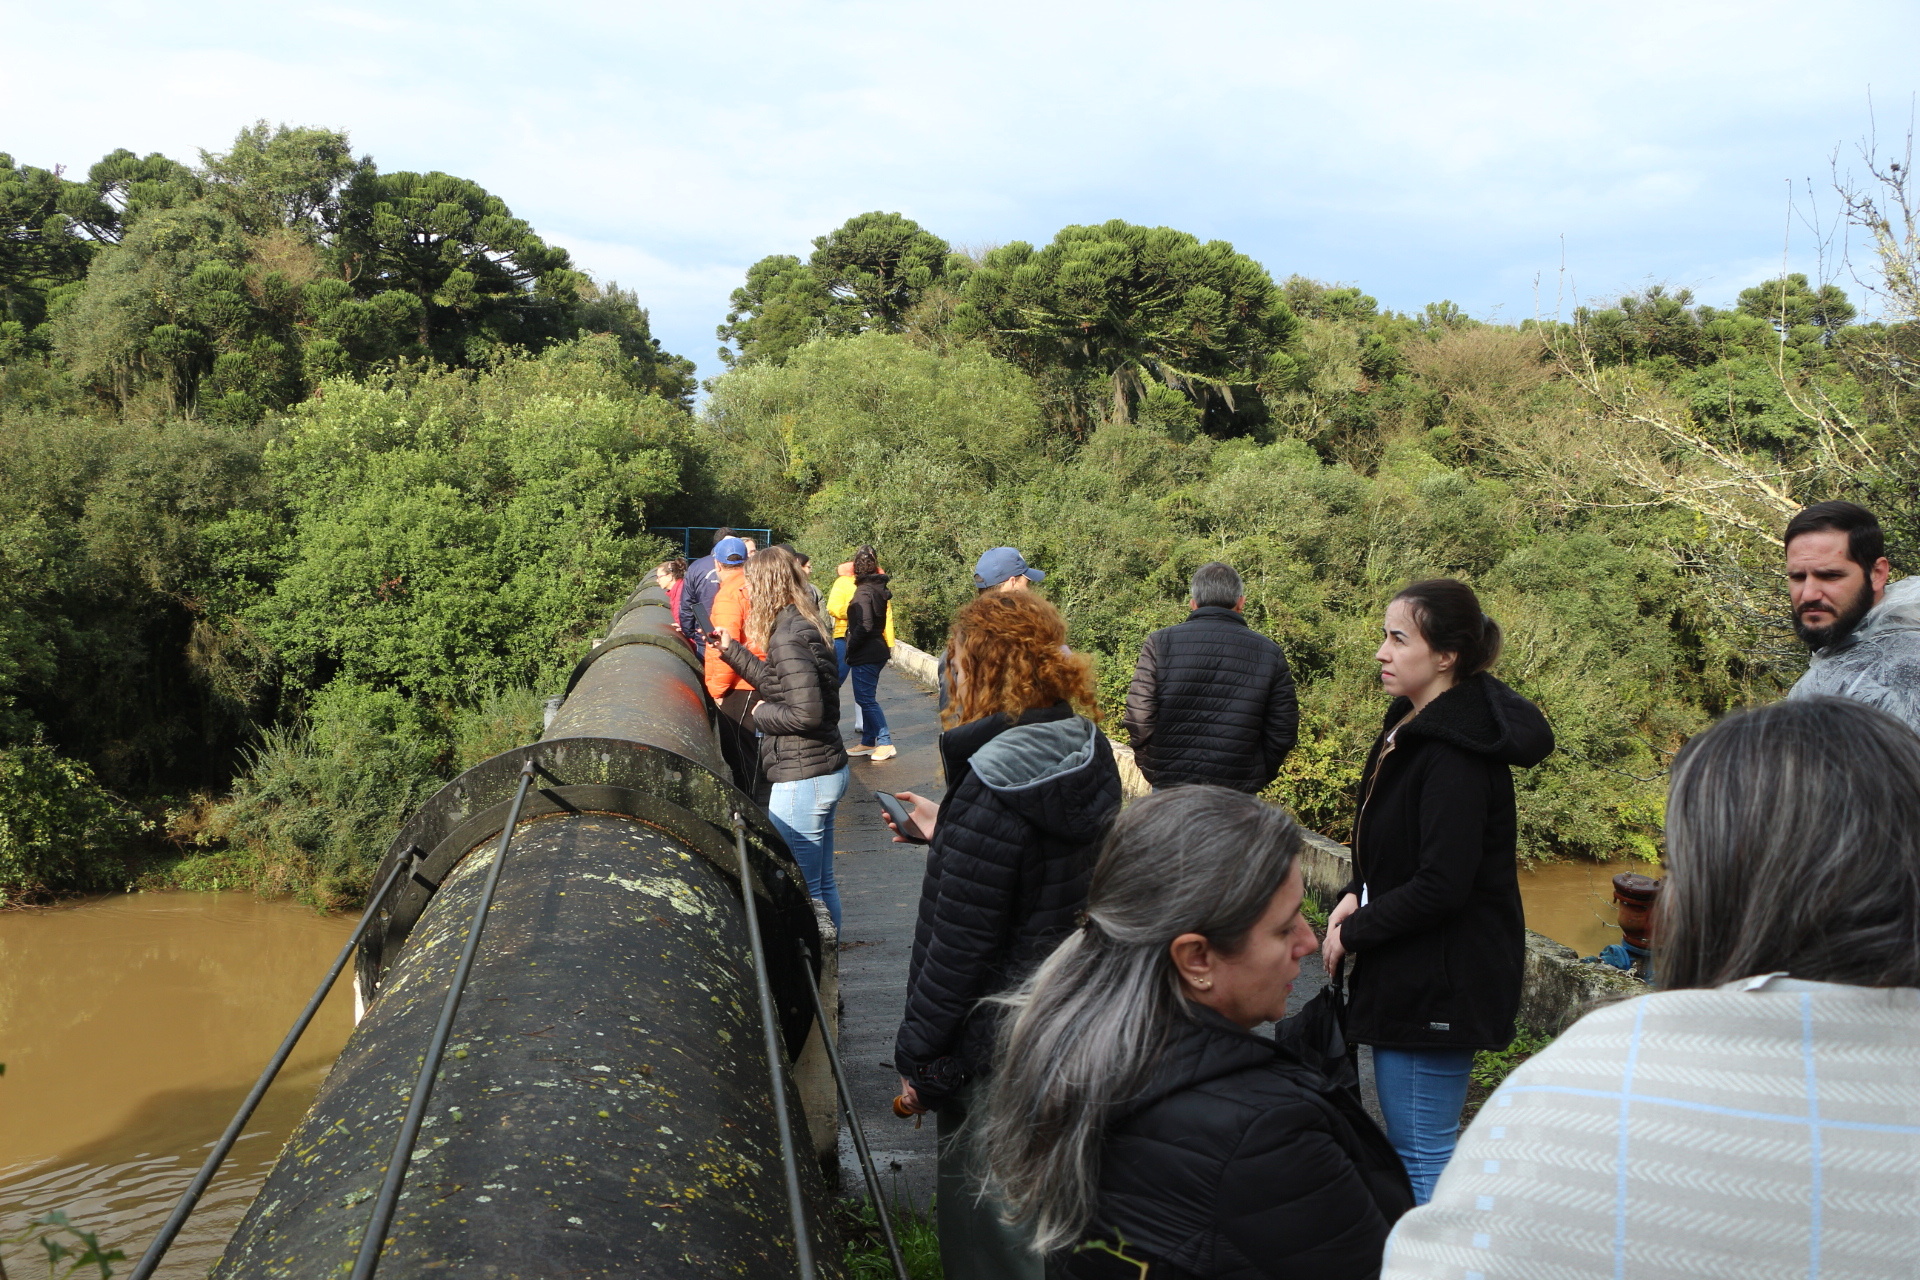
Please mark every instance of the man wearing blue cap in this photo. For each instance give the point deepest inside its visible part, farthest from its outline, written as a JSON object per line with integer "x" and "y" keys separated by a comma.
{"x": 1005, "y": 569}
{"x": 696, "y": 598}
{"x": 1001, "y": 569}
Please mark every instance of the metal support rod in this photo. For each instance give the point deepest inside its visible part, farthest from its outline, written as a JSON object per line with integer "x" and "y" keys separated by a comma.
{"x": 388, "y": 1200}
{"x": 854, "y": 1126}
{"x": 150, "y": 1260}
{"x": 796, "y": 1205}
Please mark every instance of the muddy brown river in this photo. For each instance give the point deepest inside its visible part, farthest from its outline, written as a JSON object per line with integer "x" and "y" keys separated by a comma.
{"x": 131, "y": 1027}
{"x": 1572, "y": 902}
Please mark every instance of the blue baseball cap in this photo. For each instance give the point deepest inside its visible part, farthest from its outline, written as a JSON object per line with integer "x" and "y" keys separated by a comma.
{"x": 730, "y": 551}
{"x": 1002, "y": 563}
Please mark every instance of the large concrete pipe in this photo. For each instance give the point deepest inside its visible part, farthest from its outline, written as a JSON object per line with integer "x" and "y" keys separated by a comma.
{"x": 605, "y": 1107}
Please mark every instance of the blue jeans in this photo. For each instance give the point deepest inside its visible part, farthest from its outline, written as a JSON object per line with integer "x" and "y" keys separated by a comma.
{"x": 1421, "y": 1094}
{"x": 803, "y": 814}
{"x": 840, "y": 656}
{"x": 870, "y": 720}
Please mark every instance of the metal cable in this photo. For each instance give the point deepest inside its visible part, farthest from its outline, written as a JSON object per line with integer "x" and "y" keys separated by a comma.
{"x": 150, "y": 1260}
{"x": 802, "y": 1243}
{"x": 853, "y": 1124}
{"x": 388, "y": 1200}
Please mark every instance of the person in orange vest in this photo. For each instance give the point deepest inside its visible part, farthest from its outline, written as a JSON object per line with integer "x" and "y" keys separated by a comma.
{"x": 730, "y": 691}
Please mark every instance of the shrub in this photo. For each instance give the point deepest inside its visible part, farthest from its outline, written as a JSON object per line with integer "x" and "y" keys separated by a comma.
{"x": 318, "y": 803}
{"x": 452, "y": 532}
{"x": 59, "y": 830}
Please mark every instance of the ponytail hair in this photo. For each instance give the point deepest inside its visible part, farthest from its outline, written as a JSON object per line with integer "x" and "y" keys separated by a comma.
{"x": 1450, "y": 619}
{"x": 1088, "y": 1028}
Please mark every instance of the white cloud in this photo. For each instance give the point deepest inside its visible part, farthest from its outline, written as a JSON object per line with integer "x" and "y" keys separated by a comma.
{"x": 1419, "y": 150}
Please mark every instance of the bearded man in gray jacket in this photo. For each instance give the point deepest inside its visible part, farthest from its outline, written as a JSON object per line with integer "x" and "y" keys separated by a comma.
{"x": 1864, "y": 633}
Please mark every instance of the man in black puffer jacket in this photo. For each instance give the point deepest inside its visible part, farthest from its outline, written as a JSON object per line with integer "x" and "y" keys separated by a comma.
{"x": 1212, "y": 699}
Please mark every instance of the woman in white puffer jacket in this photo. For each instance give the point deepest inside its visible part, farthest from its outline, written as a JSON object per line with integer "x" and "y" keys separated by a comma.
{"x": 1760, "y": 1116}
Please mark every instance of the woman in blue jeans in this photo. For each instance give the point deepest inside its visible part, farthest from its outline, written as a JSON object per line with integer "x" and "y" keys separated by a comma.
{"x": 798, "y": 717}
{"x": 867, "y": 652}
{"x": 1432, "y": 918}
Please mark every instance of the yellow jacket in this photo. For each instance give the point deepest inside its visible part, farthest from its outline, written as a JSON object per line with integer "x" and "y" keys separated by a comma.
{"x": 840, "y": 595}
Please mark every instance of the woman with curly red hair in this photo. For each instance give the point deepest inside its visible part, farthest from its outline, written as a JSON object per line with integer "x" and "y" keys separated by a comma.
{"x": 1031, "y": 790}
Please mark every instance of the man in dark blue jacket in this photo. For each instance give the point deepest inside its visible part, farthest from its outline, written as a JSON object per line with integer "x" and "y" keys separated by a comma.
{"x": 1212, "y": 699}
{"x": 696, "y": 599}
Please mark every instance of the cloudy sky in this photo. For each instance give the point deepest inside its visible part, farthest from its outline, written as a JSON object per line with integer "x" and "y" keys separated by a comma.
{"x": 1461, "y": 150}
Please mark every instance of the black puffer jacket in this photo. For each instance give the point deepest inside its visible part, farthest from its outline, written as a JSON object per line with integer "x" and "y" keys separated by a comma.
{"x": 1239, "y": 1162}
{"x": 1439, "y": 948}
{"x": 1212, "y": 701}
{"x": 867, "y": 621}
{"x": 1026, "y": 807}
{"x": 800, "y": 686}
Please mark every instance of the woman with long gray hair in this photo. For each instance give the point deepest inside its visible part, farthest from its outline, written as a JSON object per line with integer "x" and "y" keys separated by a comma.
{"x": 1760, "y": 1116}
{"x": 1136, "y": 1122}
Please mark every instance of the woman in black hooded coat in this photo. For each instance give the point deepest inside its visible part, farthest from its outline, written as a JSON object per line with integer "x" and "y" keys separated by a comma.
{"x": 1432, "y": 917}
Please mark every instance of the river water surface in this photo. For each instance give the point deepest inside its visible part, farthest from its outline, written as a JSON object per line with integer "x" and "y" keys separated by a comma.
{"x": 132, "y": 1027}
{"x": 1572, "y": 902}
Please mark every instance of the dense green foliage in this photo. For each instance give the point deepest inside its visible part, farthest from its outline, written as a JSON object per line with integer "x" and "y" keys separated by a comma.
{"x": 1127, "y": 403}
{"x": 321, "y": 477}
{"x": 869, "y": 275}
{"x": 343, "y": 606}
{"x": 57, "y": 827}
{"x": 318, "y": 477}
{"x": 232, "y": 290}
{"x": 936, "y": 456}
{"x": 318, "y": 802}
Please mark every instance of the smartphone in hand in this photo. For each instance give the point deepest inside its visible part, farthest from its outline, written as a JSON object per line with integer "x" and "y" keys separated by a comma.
{"x": 901, "y": 816}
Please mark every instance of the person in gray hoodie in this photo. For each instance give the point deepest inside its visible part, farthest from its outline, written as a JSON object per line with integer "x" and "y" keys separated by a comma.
{"x": 1864, "y": 631}
{"x": 1031, "y": 789}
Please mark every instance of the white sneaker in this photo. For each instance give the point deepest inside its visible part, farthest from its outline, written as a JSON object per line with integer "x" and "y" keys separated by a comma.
{"x": 857, "y": 750}
{"x": 885, "y": 752}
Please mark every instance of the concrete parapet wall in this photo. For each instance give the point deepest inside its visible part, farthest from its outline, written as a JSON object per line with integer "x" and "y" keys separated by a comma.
{"x": 916, "y": 664}
{"x": 1559, "y": 988}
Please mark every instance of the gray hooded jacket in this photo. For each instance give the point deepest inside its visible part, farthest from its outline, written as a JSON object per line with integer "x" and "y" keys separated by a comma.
{"x": 1879, "y": 663}
{"x": 1026, "y": 806}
